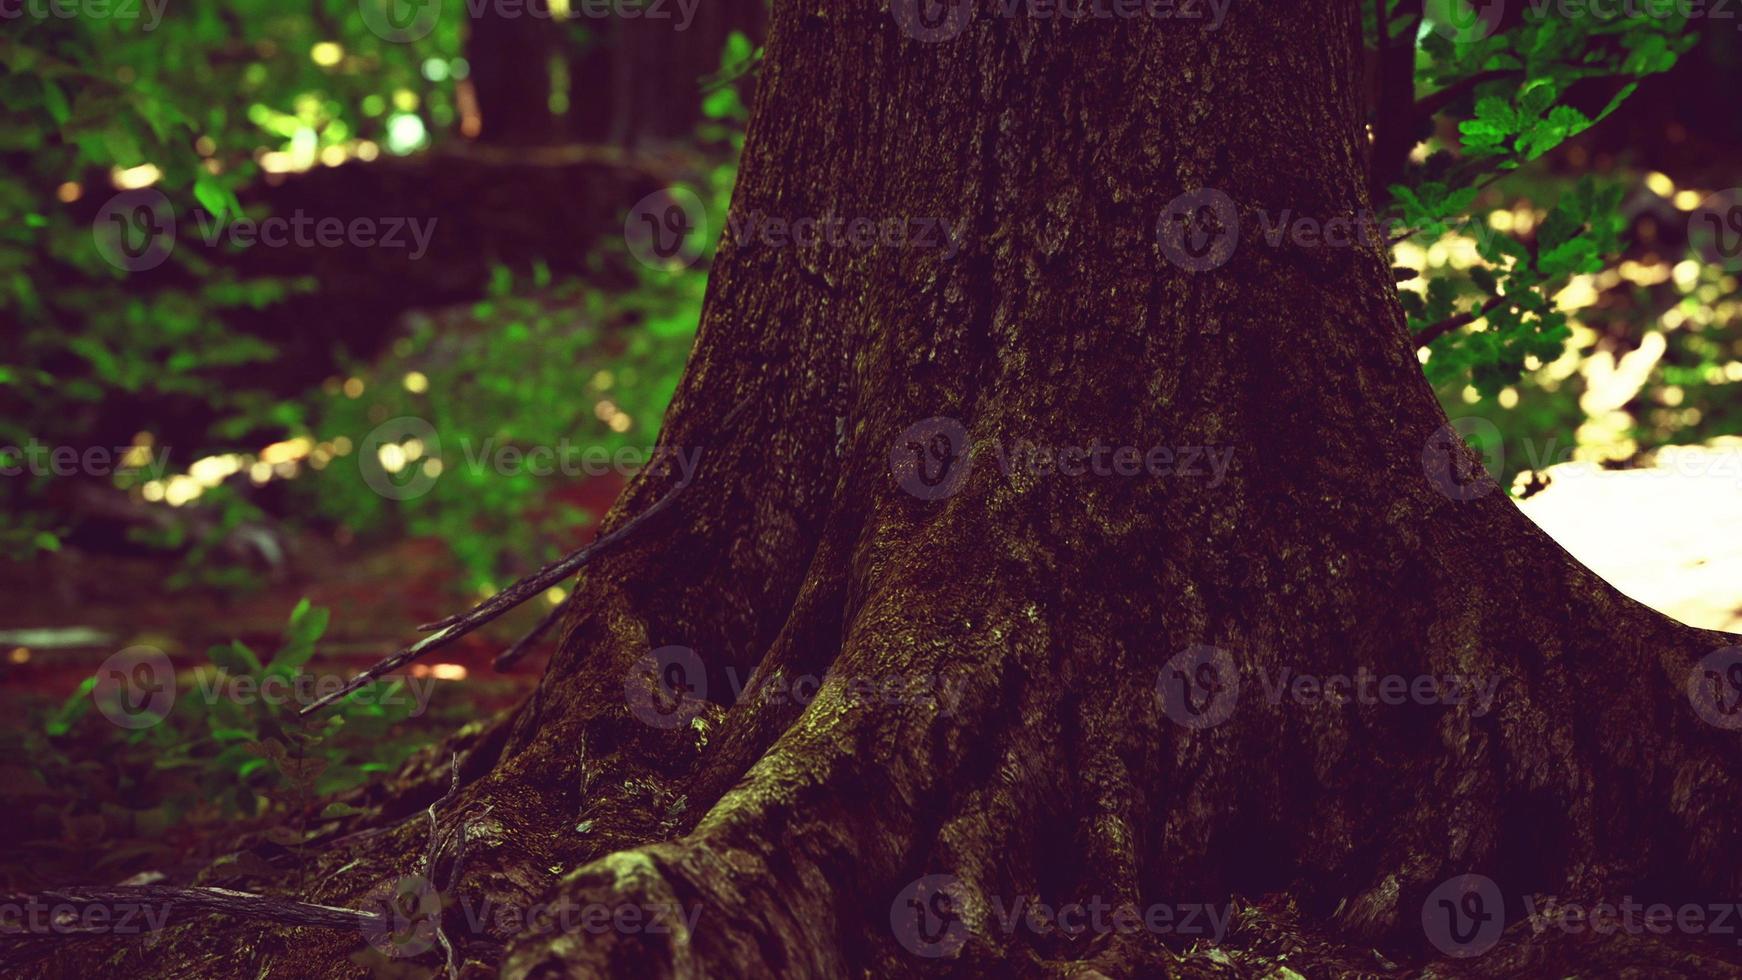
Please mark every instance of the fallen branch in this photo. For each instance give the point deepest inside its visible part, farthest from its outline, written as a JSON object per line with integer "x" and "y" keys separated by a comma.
{"x": 456, "y": 626}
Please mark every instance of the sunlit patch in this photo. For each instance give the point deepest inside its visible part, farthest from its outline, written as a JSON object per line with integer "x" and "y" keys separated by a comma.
{"x": 1579, "y": 293}
{"x": 1632, "y": 528}
{"x": 391, "y": 456}
{"x": 134, "y": 178}
{"x": 181, "y": 490}
{"x": 326, "y": 54}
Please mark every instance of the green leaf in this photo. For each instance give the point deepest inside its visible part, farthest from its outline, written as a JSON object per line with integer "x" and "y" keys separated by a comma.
{"x": 1537, "y": 96}
{"x": 76, "y": 706}
{"x": 213, "y": 196}
{"x": 235, "y": 658}
{"x": 56, "y": 102}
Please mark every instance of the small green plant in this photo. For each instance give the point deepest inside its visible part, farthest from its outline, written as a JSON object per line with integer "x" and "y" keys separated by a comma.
{"x": 232, "y": 749}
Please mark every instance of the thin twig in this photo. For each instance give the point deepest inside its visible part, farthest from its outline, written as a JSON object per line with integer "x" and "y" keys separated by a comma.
{"x": 1429, "y": 334}
{"x": 433, "y": 851}
{"x": 509, "y": 657}
{"x": 454, "y": 627}
{"x": 1430, "y": 104}
{"x": 557, "y": 570}
{"x": 727, "y": 76}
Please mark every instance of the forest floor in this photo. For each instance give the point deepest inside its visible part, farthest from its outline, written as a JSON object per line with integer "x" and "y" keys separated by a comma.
{"x": 1669, "y": 535}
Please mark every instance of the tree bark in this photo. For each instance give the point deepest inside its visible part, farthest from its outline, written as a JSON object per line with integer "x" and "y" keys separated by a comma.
{"x": 638, "y": 81}
{"x": 1106, "y": 646}
{"x": 510, "y": 54}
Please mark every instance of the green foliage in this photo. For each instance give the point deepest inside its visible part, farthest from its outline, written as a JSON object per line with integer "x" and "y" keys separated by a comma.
{"x": 198, "y": 96}
{"x": 560, "y": 367}
{"x": 1517, "y": 111}
{"x": 221, "y": 754}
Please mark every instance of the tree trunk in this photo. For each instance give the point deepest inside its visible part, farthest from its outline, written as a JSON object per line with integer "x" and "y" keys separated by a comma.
{"x": 1100, "y": 650}
{"x": 637, "y": 81}
{"x": 510, "y": 53}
